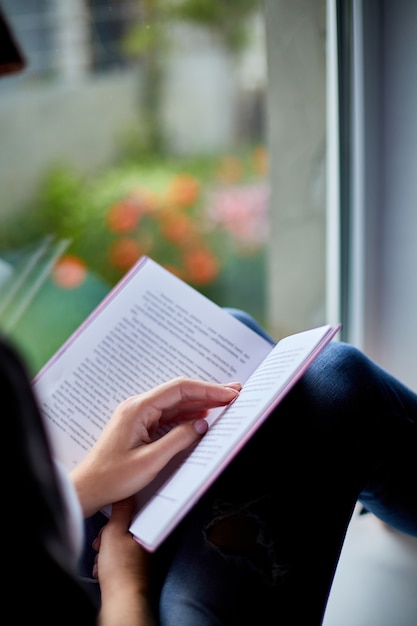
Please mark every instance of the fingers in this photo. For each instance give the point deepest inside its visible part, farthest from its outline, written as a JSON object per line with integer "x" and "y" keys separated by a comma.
{"x": 128, "y": 454}
{"x": 177, "y": 400}
{"x": 182, "y": 399}
{"x": 190, "y": 395}
{"x": 116, "y": 528}
{"x": 161, "y": 451}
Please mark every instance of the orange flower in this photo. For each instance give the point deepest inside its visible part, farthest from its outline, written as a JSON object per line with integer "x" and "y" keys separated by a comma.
{"x": 201, "y": 266}
{"x": 124, "y": 216}
{"x": 230, "y": 169}
{"x": 183, "y": 190}
{"x": 124, "y": 252}
{"x": 69, "y": 272}
{"x": 260, "y": 160}
{"x": 176, "y": 227}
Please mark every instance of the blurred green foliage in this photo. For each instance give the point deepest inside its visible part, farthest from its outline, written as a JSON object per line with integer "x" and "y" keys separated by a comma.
{"x": 205, "y": 218}
{"x": 159, "y": 207}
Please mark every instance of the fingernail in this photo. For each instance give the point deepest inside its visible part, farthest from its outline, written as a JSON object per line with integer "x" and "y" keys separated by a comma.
{"x": 233, "y": 384}
{"x": 200, "y": 427}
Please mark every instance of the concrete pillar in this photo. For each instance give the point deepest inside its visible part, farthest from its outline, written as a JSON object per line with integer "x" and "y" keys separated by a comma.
{"x": 296, "y": 113}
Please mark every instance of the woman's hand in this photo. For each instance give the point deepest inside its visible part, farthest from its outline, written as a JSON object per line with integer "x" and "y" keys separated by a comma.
{"x": 122, "y": 569}
{"x": 127, "y": 457}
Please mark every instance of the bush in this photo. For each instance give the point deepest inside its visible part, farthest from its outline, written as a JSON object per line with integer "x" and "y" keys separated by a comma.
{"x": 192, "y": 216}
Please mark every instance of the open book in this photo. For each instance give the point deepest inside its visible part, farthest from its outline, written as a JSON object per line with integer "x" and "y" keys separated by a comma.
{"x": 150, "y": 328}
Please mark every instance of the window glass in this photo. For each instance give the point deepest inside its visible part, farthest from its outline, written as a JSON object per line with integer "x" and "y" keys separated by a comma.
{"x": 136, "y": 128}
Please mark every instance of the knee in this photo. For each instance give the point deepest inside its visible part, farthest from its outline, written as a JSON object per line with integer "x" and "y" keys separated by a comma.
{"x": 340, "y": 365}
{"x": 338, "y": 382}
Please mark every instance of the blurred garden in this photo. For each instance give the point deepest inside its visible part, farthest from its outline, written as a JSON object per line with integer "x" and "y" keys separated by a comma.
{"x": 205, "y": 219}
{"x": 204, "y": 216}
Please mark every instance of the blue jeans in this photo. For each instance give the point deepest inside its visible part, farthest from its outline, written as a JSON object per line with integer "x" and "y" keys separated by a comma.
{"x": 263, "y": 544}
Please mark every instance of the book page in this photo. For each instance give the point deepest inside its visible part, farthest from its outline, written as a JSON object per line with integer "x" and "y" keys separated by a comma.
{"x": 196, "y": 472}
{"x": 151, "y": 328}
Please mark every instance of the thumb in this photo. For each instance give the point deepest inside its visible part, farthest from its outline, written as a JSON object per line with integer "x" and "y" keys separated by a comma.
{"x": 119, "y": 520}
{"x": 121, "y": 513}
{"x": 178, "y": 439}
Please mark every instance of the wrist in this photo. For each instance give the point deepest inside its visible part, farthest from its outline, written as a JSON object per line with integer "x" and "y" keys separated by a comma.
{"x": 86, "y": 490}
{"x": 127, "y": 606}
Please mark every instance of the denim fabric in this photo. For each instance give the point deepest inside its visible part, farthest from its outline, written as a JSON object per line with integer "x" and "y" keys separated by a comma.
{"x": 263, "y": 543}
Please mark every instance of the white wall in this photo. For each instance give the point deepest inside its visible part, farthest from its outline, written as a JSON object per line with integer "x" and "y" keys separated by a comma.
{"x": 46, "y": 125}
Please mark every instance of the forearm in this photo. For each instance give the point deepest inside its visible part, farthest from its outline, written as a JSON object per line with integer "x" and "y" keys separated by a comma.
{"x": 126, "y": 607}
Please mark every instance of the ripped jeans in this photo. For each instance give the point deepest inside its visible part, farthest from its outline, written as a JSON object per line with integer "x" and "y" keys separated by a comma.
{"x": 263, "y": 543}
